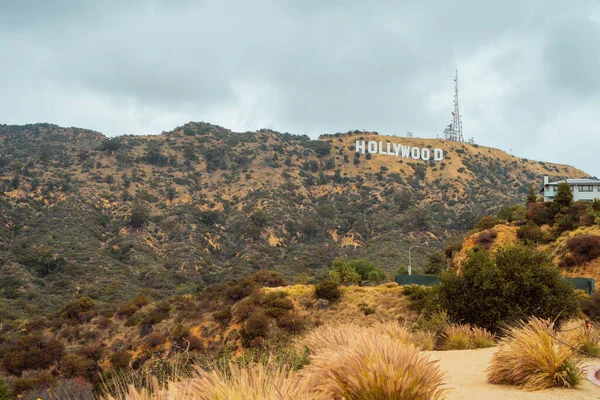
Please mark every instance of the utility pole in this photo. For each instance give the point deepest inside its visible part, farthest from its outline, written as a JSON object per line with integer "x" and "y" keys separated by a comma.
{"x": 409, "y": 266}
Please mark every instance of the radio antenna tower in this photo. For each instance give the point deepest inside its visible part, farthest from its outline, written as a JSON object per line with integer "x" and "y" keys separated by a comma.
{"x": 454, "y": 132}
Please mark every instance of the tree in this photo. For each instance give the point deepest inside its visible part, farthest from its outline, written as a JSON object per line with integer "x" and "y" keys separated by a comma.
{"x": 139, "y": 215}
{"x": 171, "y": 192}
{"x": 367, "y": 272}
{"x": 435, "y": 264}
{"x": 342, "y": 272}
{"x": 513, "y": 284}
{"x": 531, "y": 196}
{"x": 564, "y": 196}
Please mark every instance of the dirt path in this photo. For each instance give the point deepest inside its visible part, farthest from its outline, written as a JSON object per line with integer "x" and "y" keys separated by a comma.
{"x": 466, "y": 378}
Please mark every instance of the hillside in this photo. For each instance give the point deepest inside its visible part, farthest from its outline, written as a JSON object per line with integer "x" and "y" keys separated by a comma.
{"x": 83, "y": 215}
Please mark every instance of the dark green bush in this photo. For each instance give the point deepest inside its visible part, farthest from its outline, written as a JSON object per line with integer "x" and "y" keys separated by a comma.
{"x": 529, "y": 233}
{"x": 257, "y": 325}
{"x": 328, "y": 290}
{"x": 5, "y": 392}
{"x": 73, "y": 309}
{"x": 268, "y": 278}
{"x": 223, "y": 316}
{"x": 513, "y": 284}
{"x": 120, "y": 359}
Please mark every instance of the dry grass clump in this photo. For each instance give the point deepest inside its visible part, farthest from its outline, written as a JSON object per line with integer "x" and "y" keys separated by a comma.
{"x": 457, "y": 337}
{"x": 530, "y": 357}
{"x": 374, "y": 367}
{"x": 461, "y": 337}
{"x": 425, "y": 340}
{"x": 328, "y": 337}
{"x": 254, "y": 381}
{"x": 394, "y": 330}
{"x": 587, "y": 339}
{"x": 482, "y": 338}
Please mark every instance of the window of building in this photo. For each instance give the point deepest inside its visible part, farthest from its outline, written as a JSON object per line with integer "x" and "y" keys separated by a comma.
{"x": 586, "y": 188}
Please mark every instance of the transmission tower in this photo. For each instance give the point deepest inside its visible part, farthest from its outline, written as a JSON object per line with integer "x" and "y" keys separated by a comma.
{"x": 454, "y": 132}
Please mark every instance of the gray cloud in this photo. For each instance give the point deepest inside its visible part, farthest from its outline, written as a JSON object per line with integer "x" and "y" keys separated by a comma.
{"x": 528, "y": 70}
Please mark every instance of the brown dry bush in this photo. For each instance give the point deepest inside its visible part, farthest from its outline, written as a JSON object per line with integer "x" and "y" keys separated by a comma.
{"x": 530, "y": 357}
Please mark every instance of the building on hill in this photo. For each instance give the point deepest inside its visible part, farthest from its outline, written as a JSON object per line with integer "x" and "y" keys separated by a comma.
{"x": 583, "y": 189}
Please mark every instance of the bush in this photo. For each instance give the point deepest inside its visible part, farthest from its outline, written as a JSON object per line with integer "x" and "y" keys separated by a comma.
{"x": 5, "y": 392}
{"x": 268, "y": 278}
{"x": 375, "y": 368}
{"x": 120, "y": 359}
{"x": 155, "y": 339}
{"x": 257, "y": 325}
{"x": 486, "y": 239}
{"x": 328, "y": 290}
{"x": 584, "y": 247}
{"x": 540, "y": 213}
{"x": 73, "y": 309}
{"x": 157, "y": 315}
{"x": 486, "y": 223}
{"x": 529, "y": 233}
{"x": 516, "y": 282}
{"x": 530, "y": 357}
{"x": 223, "y": 316}
{"x": 138, "y": 215}
{"x": 590, "y": 305}
{"x": 73, "y": 365}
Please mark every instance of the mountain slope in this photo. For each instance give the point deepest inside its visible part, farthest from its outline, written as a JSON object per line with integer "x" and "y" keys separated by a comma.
{"x": 81, "y": 214}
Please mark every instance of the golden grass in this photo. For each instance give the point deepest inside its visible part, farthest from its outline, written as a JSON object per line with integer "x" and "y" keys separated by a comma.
{"x": 331, "y": 337}
{"x": 425, "y": 340}
{"x": 530, "y": 357}
{"x": 456, "y": 337}
{"x": 482, "y": 338}
{"x": 586, "y": 339}
{"x": 254, "y": 381}
{"x": 374, "y": 367}
{"x": 461, "y": 337}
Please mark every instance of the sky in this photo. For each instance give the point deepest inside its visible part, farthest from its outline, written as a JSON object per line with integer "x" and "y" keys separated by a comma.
{"x": 529, "y": 71}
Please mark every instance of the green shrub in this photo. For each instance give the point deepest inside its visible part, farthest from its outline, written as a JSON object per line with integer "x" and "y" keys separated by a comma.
{"x": 328, "y": 290}
{"x": 73, "y": 309}
{"x": 157, "y": 315}
{"x": 5, "y": 392}
{"x": 120, "y": 359}
{"x": 223, "y": 316}
{"x": 268, "y": 278}
{"x": 257, "y": 325}
{"x": 529, "y": 233}
{"x": 73, "y": 365}
{"x": 515, "y": 283}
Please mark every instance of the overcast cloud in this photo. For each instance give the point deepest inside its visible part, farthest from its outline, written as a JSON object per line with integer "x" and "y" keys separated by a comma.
{"x": 529, "y": 71}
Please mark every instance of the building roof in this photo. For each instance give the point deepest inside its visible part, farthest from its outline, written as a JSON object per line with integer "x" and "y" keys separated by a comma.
{"x": 577, "y": 182}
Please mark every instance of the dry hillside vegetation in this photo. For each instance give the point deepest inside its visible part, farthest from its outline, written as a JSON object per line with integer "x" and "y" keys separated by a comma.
{"x": 86, "y": 215}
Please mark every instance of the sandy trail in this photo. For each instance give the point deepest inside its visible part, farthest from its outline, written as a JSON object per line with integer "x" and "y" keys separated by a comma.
{"x": 466, "y": 379}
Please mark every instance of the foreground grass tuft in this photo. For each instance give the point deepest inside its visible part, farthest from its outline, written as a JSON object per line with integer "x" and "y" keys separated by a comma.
{"x": 530, "y": 357}
{"x": 374, "y": 367}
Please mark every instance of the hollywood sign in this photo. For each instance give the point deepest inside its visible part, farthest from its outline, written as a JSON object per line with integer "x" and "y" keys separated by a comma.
{"x": 399, "y": 150}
